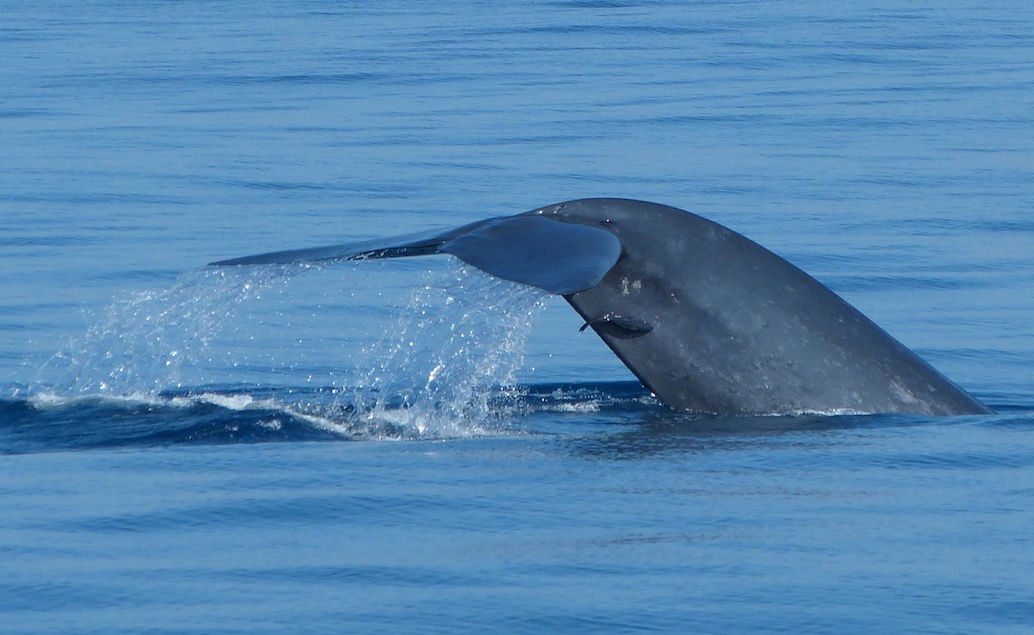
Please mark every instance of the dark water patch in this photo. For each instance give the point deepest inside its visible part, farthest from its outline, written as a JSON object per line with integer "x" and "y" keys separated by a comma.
{"x": 358, "y": 575}
{"x": 17, "y": 327}
{"x": 300, "y": 78}
{"x": 228, "y": 415}
{"x": 94, "y": 198}
{"x": 260, "y": 503}
{"x": 1009, "y": 415}
{"x": 951, "y": 461}
{"x": 963, "y": 226}
{"x": 51, "y": 240}
{"x": 661, "y": 433}
{"x": 233, "y": 108}
{"x": 216, "y": 79}
{"x": 261, "y": 509}
{"x": 594, "y": 620}
{"x": 599, "y": 4}
{"x": 857, "y": 443}
{"x": 41, "y": 597}
{"x": 45, "y": 424}
{"x": 990, "y": 606}
{"x": 21, "y": 113}
{"x": 470, "y": 166}
{"x": 12, "y": 409}
{"x": 853, "y": 283}
{"x": 138, "y": 276}
{"x": 387, "y": 189}
{"x": 595, "y": 29}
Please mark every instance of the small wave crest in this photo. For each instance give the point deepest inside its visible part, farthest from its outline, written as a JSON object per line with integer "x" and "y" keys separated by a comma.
{"x": 49, "y": 422}
{"x": 214, "y": 415}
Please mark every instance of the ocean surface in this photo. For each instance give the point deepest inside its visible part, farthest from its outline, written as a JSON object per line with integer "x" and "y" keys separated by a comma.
{"x": 410, "y": 446}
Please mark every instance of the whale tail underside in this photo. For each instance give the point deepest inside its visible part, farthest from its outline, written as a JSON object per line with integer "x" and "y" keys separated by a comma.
{"x": 561, "y": 258}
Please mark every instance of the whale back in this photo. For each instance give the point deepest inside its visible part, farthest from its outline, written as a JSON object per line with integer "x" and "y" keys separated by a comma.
{"x": 710, "y": 321}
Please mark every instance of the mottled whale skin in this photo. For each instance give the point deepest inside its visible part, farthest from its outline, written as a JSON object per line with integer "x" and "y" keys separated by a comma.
{"x": 739, "y": 330}
{"x": 708, "y": 320}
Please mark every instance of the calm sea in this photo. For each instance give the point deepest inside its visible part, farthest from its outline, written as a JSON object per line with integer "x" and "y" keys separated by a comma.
{"x": 193, "y": 451}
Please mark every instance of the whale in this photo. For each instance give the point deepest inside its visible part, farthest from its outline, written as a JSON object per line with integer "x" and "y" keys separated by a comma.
{"x": 708, "y": 320}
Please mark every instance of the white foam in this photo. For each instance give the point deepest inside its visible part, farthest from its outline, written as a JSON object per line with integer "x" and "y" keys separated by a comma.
{"x": 231, "y": 402}
{"x": 832, "y": 412}
{"x": 50, "y": 399}
{"x": 584, "y": 406}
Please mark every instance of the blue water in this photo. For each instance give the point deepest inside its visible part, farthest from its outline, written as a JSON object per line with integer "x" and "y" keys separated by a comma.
{"x": 408, "y": 446}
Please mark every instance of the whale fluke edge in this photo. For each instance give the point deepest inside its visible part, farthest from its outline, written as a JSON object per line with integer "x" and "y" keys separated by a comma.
{"x": 708, "y": 320}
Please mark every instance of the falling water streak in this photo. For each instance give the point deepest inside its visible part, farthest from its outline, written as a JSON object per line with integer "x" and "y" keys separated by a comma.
{"x": 448, "y": 366}
{"x": 141, "y": 342}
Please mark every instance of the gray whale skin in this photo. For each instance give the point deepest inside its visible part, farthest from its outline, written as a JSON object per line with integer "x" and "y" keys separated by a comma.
{"x": 708, "y": 320}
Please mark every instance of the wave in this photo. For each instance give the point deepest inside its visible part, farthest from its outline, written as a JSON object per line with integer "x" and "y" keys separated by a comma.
{"x": 624, "y": 411}
{"x": 211, "y": 415}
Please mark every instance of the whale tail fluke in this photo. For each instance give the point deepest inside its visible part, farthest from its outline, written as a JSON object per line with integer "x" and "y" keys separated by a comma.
{"x": 561, "y": 258}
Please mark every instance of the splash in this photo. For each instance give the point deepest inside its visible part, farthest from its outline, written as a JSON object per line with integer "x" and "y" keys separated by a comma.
{"x": 449, "y": 366}
{"x": 143, "y": 341}
{"x": 446, "y": 366}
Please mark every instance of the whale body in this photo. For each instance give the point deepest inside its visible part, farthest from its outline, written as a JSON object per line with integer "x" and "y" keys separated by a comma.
{"x": 708, "y": 320}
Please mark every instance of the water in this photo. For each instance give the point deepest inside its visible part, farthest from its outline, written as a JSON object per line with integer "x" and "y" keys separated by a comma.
{"x": 409, "y": 446}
